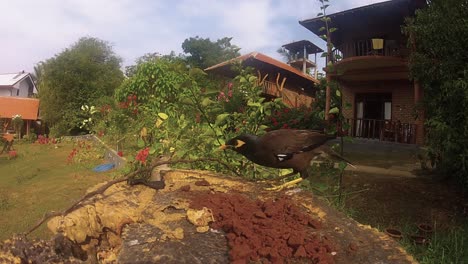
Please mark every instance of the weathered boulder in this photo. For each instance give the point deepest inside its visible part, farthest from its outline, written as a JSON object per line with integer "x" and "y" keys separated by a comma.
{"x": 202, "y": 217}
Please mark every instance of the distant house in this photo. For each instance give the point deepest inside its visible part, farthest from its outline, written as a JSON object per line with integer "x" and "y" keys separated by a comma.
{"x": 277, "y": 79}
{"x": 372, "y": 70}
{"x": 16, "y": 92}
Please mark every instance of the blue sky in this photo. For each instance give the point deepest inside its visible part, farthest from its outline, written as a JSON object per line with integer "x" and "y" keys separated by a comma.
{"x": 32, "y": 31}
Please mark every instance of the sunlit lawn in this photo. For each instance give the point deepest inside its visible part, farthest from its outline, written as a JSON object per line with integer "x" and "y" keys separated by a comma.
{"x": 39, "y": 180}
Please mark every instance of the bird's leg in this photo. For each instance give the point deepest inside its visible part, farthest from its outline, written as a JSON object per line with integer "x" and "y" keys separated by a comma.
{"x": 304, "y": 174}
{"x": 284, "y": 185}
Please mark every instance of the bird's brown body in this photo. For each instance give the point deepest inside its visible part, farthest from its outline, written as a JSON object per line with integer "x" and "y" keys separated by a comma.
{"x": 283, "y": 148}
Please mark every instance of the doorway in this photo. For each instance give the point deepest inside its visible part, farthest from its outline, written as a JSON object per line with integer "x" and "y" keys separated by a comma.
{"x": 372, "y": 109}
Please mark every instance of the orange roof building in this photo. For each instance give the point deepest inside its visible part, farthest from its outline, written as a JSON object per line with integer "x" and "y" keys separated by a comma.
{"x": 28, "y": 108}
{"x": 299, "y": 88}
{"x": 10, "y": 106}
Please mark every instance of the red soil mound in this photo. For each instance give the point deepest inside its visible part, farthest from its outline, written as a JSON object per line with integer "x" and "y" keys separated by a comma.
{"x": 273, "y": 231}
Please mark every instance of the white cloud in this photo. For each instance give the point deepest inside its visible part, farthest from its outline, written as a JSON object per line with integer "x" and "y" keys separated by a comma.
{"x": 31, "y": 30}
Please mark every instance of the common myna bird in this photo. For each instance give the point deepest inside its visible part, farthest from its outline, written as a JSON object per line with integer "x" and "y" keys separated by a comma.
{"x": 283, "y": 149}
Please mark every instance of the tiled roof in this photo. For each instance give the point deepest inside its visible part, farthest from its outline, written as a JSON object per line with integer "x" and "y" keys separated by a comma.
{"x": 265, "y": 59}
{"x": 28, "y": 108}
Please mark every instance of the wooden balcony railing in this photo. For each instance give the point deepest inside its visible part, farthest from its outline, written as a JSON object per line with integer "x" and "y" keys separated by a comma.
{"x": 271, "y": 88}
{"x": 364, "y": 48}
{"x": 383, "y": 130}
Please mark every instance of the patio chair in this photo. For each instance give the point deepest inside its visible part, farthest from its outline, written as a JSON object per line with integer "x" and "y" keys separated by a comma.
{"x": 8, "y": 140}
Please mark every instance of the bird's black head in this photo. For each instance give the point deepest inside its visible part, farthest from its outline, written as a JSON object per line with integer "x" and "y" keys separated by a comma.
{"x": 241, "y": 144}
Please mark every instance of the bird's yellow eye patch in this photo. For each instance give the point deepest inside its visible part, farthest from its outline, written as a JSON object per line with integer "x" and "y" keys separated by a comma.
{"x": 240, "y": 143}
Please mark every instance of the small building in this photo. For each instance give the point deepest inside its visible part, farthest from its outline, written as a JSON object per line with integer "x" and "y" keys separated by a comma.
{"x": 277, "y": 79}
{"x": 299, "y": 52}
{"x": 16, "y": 92}
{"x": 370, "y": 55}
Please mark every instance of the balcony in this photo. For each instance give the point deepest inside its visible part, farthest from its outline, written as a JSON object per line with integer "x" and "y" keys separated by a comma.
{"x": 362, "y": 61}
{"x": 391, "y": 48}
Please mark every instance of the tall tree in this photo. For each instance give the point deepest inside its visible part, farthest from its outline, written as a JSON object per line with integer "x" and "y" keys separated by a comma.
{"x": 438, "y": 36}
{"x": 204, "y": 53}
{"x": 79, "y": 75}
{"x": 152, "y": 57}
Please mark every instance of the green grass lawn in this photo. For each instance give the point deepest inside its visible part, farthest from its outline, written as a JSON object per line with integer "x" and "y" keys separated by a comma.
{"x": 40, "y": 180}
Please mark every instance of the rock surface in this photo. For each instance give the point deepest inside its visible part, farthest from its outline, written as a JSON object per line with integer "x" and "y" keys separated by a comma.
{"x": 137, "y": 224}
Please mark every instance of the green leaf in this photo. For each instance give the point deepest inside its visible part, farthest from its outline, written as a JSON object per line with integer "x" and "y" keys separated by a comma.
{"x": 256, "y": 104}
{"x": 334, "y": 110}
{"x": 320, "y": 14}
{"x": 163, "y": 116}
{"x": 348, "y": 105}
{"x": 333, "y": 30}
{"x": 322, "y": 29}
{"x": 252, "y": 78}
{"x": 152, "y": 150}
{"x": 324, "y": 54}
{"x": 206, "y": 101}
{"x": 338, "y": 93}
{"x": 342, "y": 165}
{"x": 220, "y": 118}
{"x": 140, "y": 143}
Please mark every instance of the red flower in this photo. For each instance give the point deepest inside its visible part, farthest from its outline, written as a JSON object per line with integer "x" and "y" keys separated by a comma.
{"x": 120, "y": 153}
{"x": 286, "y": 110}
{"x": 285, "y": 126}
{"x": 142, "y": 155}
{"x": 12, "y": 154}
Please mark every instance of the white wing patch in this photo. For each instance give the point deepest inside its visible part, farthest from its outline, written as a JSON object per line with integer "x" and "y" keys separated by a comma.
{"x": 281, "y": 157}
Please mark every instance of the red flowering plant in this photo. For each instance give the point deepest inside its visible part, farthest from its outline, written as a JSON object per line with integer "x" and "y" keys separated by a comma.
{"x": 12, "y": 154}
{"x": 231, "y": 99}
{"x": 42, "y": 140}
{"x": 86, "y": 153}
{"x": 142, "y": 156}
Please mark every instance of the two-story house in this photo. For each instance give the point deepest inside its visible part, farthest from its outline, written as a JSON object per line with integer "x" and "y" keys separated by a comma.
{"x": 372, "y": 70}
{"x": 16, "y": 92}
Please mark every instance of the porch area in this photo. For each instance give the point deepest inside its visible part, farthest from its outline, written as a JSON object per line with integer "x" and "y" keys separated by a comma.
{"x": 382, "y": 130}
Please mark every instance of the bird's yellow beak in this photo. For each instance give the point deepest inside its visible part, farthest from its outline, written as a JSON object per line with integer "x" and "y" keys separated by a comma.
{"x": 223, "y": 147}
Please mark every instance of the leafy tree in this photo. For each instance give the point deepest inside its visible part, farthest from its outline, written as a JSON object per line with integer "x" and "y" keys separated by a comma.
{"x": 79, "y": 75}
{"x": 131, "y": 70}
{"x": 286, "y": 54}
{"x": 438, "y": 36}
{"x": 205, "y": 53}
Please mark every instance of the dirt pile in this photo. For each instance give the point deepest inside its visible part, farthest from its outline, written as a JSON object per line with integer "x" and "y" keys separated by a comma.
{"x": 271, "y": 231}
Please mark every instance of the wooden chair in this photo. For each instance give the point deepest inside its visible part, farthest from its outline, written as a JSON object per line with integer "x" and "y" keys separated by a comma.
{"x": 388, "y": 131}
{"x": 8, "y": 145}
